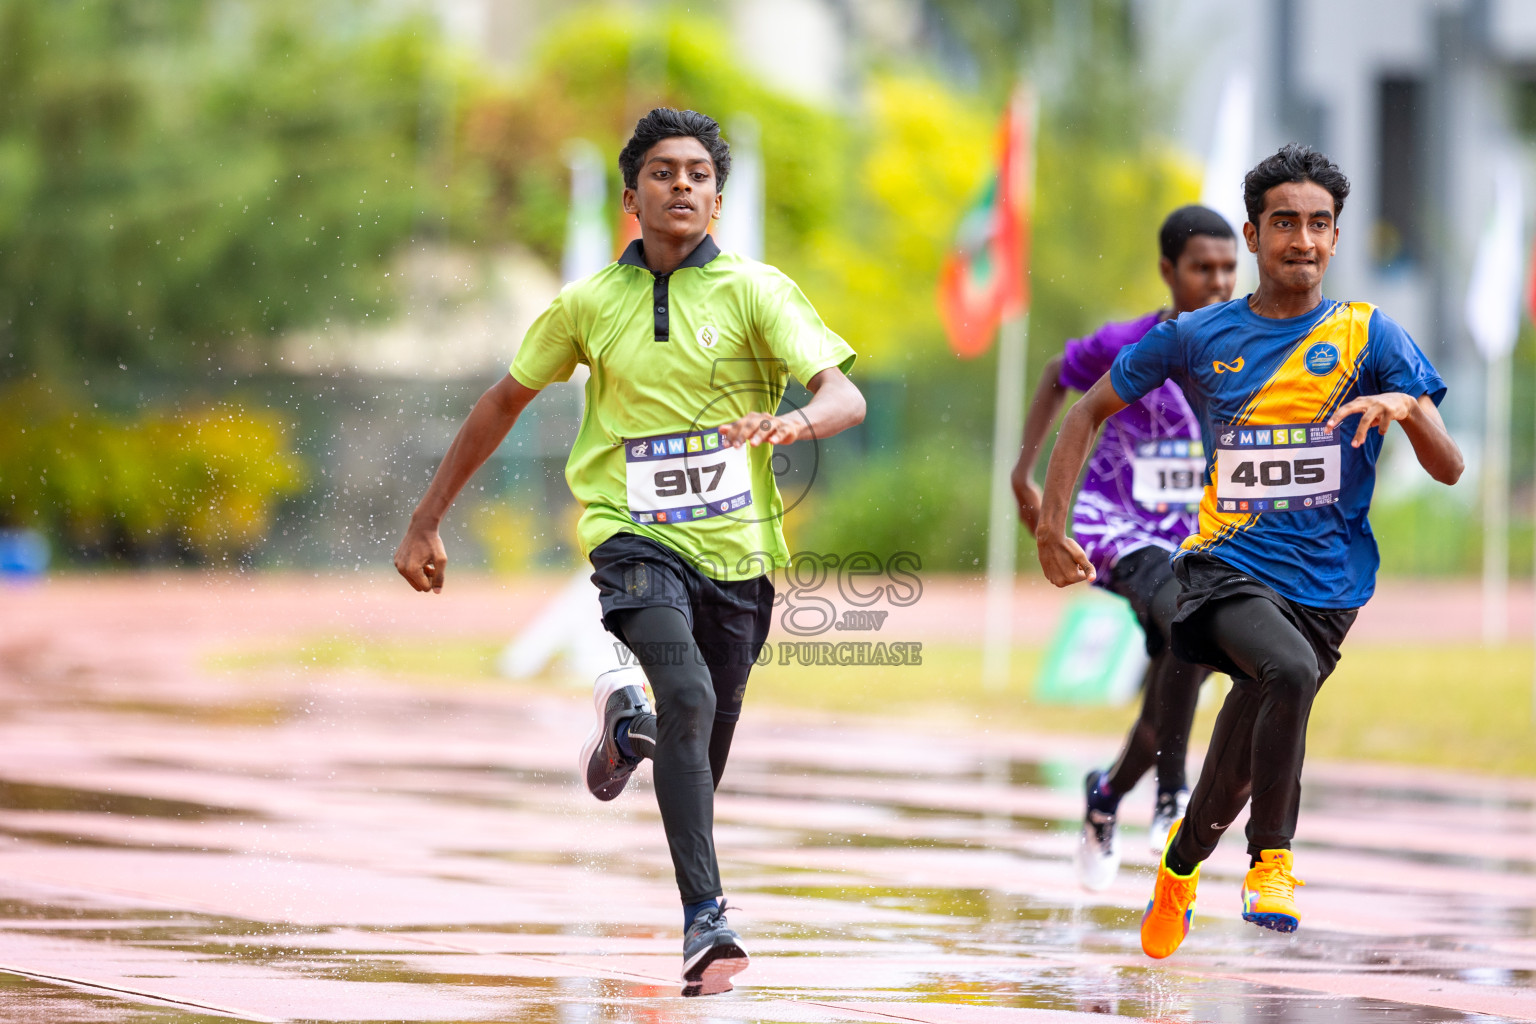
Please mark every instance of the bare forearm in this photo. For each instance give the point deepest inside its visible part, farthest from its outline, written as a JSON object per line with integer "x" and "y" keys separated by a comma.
{"x": 485, "y": 428}
{"x": 835, "y": 405}
{"x": 1421, "y": 421}
{"x": 1072, "y": 446}
{"x": 1046, "y": 405}
{"x": 1433, "y": 445}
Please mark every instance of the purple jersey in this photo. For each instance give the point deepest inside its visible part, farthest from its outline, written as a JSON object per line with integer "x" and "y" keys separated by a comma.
{"x": 1145, "y": 478}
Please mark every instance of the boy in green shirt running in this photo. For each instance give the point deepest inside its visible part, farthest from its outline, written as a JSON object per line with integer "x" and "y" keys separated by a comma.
{"x": 689, "y": 349}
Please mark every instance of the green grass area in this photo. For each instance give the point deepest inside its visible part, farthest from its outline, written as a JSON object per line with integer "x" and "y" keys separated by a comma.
{"x": 1455, "y": 707}
{"x": 1452, "y": 707}
{"x": 945, "y": 688}
{"x": 1459, "y": 707}
{"x": 461, "y": 660}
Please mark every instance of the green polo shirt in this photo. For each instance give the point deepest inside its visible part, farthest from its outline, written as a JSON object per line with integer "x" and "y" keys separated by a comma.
{"x": 672, "y": 357}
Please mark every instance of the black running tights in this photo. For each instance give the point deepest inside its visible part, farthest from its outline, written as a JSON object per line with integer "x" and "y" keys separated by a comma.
{"x": 1260, "y": 736}
{"x": 1160, "y": 735}
{"x": 686, "y": 744}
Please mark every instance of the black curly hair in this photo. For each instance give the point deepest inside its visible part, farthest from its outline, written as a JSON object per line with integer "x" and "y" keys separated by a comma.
{"x": 1293, "y": 162}
{"x": 667, "y": 123}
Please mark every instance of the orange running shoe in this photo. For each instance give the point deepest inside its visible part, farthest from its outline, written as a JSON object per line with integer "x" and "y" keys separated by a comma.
{"x": 1269, "y": 892}
{"x": 1171, "y": 908}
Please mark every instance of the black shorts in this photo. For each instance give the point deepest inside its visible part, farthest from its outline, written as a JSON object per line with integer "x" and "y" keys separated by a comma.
{"x": 729, "y": 619}
{"x": 1137, "y": 576}
{"x": 1206, "y": 580}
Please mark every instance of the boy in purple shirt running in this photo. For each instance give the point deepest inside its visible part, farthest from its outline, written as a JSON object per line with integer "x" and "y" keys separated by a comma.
{"x": 1137, "y": 504}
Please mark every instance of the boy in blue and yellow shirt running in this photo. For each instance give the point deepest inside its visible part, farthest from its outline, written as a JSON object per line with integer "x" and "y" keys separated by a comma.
{"x": 1287, "y": 386}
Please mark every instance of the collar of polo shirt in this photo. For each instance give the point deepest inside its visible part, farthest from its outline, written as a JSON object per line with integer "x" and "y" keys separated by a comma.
{"x": 634, "y": 256}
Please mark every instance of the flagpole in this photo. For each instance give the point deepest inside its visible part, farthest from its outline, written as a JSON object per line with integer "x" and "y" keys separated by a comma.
{"x": 1002, "y": 517}
{"x": 1493, "y": 321}
{"x": 1016, "y": 187}
{"x": 1496, "y": 501}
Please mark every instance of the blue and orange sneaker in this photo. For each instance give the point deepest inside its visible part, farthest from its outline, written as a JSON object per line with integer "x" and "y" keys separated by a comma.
{"x": 1171, "y": 908}
{"x": 1269, "y": 892}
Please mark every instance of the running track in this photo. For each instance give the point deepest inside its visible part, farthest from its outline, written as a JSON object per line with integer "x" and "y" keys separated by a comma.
{"x": 180, "y": 843}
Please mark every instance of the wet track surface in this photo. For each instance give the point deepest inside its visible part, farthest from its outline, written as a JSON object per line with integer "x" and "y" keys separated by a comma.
{"x": 179, "y": 843}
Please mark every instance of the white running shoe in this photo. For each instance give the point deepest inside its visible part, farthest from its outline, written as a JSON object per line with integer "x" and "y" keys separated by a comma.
{"x": 1098, "y": 851}
{"x": 616, "y": 695}
{"x": 1170, "y": 808}
{"x": 1098, "y": 846}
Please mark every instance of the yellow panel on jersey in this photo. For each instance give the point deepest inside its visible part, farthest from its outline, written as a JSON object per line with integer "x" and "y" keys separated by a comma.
{"x": 1215, "y": 525}
{"x": 1296, "y": 392}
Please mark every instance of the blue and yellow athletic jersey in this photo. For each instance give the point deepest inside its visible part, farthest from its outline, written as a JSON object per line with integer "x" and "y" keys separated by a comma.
{"x": 1240, "y": 369}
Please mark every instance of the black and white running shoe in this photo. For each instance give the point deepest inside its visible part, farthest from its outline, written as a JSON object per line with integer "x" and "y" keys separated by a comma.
{"x": 1170, "y": 808}
{"x": 617, "y": 694}
{"x": 1098, "y": 848}
{"x": 712, "y": 954}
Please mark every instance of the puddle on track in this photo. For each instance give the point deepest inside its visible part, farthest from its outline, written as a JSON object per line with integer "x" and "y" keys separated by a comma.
{"x": 371, "y": 855}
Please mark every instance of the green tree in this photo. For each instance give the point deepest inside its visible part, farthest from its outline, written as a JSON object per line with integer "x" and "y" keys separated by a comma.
{"x": 201, "y": 482}
{"x": 180, "y": 181}
{"x": 1104, "y": 180}
{"x": 593, "y": 76}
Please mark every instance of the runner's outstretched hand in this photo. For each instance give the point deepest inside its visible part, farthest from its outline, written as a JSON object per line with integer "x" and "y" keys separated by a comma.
{"x": 421, "y": 559}
{"x": 760, "y": 428}
{"x": 1379, "y": 411}
{"x": 1432, "y": 444}
{"x": 835, "y": 406}
{"x": 1062, "y": 560}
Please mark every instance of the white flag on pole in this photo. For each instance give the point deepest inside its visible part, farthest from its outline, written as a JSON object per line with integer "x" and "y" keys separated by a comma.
{"x": 588, "y": 238}
{"x": 1493, "y": 292}
{"x": 1493, "y": 320}
{"x": 740, "y": 228}
{"x": 1231, "y": 151}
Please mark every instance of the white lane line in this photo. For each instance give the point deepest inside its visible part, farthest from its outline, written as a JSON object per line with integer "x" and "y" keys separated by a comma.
{"x": 98, "y": 986}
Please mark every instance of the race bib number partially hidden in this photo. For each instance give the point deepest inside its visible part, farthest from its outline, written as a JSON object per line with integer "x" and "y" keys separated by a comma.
{"x": 1167, "y": 474}
{"x": 1280, "y": 468}
{"x": 683, "y": 478}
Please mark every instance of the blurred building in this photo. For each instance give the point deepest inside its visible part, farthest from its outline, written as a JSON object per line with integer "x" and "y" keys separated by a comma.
{"x": 1415, "y": 99}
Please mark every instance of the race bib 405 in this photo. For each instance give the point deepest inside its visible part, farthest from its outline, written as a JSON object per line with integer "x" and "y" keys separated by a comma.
{"x": 682, "y": 478}
{"x": 1279, "y": 468}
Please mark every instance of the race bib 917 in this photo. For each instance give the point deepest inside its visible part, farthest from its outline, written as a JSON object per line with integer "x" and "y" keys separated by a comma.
{"x": 1167, "y": 474}
{"x": 682, "y": 478}
{"x": 1279, "y": 468}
